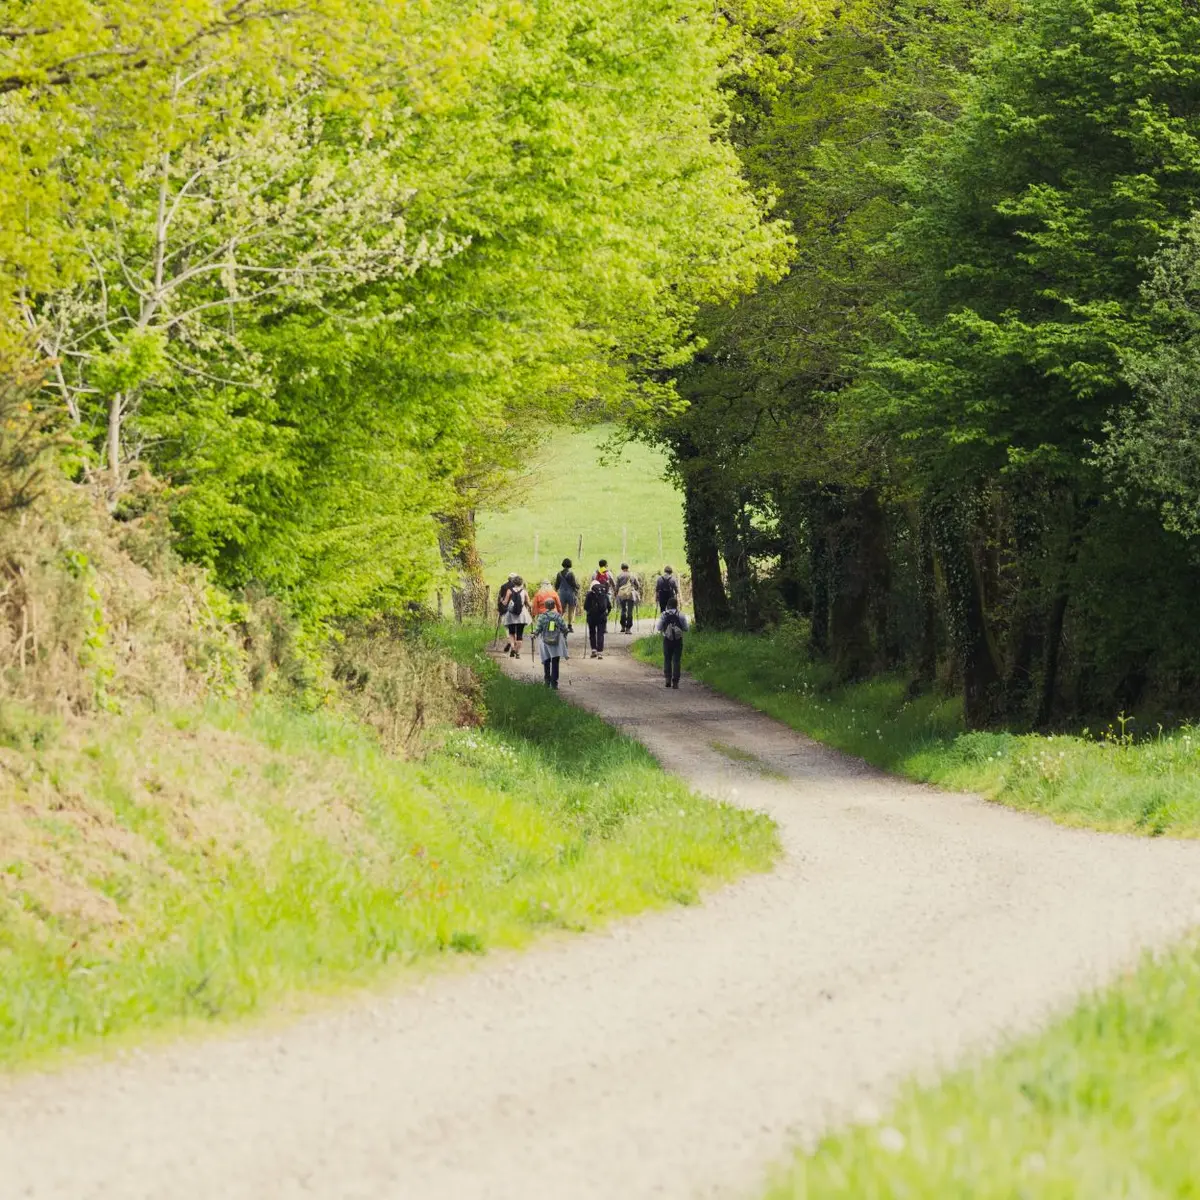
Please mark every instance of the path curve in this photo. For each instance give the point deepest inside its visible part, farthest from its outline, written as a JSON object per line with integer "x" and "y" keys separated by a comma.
{"x": 675, "y": 1055}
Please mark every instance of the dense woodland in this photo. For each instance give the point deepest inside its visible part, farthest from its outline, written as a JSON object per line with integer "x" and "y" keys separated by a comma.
{"x": 909, "y": 291}
{"x": 962, "y": 435}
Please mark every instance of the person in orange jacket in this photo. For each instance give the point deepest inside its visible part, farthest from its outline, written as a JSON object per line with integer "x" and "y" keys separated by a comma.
{"x": 546, "y": 592}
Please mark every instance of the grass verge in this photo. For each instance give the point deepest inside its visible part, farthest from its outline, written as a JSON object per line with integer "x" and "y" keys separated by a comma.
{"x": 1115, "y": 781}
{"x": 160, "y": 870}
{"x": 1102, "y": 1105}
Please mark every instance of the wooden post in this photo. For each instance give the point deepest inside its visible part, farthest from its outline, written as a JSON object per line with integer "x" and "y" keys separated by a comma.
{"x": 579, "y": 553}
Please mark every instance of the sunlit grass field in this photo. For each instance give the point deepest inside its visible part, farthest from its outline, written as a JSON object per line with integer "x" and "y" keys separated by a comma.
{"x": 573, "y": 490}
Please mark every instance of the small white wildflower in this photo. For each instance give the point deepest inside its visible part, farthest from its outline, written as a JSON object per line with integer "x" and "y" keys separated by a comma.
{"x": 892, "y": 1140}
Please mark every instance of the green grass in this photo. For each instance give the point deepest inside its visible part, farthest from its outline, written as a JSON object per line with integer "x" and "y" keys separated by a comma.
{"x": 571, "y": 491}
{"x": 1104, "y": 1105}
{"x": 158, "y": 871}
{"x": 1114, "y": 781}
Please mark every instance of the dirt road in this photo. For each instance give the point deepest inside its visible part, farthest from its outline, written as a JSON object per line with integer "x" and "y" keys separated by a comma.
{"x": 676, "y": 1055}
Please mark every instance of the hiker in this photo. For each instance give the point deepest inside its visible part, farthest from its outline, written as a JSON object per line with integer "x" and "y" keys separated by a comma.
{"x": 551, "y": 634}
{"x": 545, "y": 592}
{"x": 597, "y": 604}
{"x": 627, "y": 597}
{"x": 666, "y": 589}
{"x": 567, "y": 587}
{"x": 604, "y": 577}
{"x": 672, "y": 624}
{"x": 513, "y": 603}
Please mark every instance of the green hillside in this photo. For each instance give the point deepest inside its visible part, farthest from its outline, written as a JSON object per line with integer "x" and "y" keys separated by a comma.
{"x": 617, "y": 504}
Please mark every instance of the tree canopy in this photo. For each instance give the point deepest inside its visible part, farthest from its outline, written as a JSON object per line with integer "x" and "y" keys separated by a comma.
{"x": 314, "y": 269}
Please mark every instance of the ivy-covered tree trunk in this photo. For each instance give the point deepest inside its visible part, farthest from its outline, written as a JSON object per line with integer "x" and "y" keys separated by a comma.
{"x": 732, "y": 524}
{"x": 709, "y": 600}
{"x": 460, "y": 556}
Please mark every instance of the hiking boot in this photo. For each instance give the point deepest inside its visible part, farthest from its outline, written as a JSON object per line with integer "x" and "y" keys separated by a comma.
{"x": 570, "y": 628}
{"x": 554, "y": 684}
{"x": 668, "y": 683}
{"x": 599, "y": 654}
{"x": 675, "y": 684}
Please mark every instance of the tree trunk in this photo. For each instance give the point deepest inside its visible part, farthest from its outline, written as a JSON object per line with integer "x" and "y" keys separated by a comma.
{"x": 966, "y": 616}
{"x": 927, "y": 650}
{"x": 860, "y": 571}
{"x": 456, "y": 541}
{"x": 819, "y": 568}
{"x": 700, "y": 535}
{"x": 740, "y": 584}
{"x": 113, "y": 443}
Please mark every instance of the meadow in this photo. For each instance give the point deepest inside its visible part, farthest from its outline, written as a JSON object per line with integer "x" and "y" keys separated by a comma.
{"x": 616, "y": 502}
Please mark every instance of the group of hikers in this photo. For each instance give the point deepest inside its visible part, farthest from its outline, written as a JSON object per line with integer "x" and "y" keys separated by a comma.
{"x": 550, "y": 614}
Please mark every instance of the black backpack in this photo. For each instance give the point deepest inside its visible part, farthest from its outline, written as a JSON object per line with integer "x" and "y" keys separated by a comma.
{"x": 515, "y": 604}
{"x": 667, "y": 588}
{"x": 672, "y": 626}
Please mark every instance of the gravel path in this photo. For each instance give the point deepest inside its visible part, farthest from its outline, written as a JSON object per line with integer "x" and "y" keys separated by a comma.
{"x": 675, "y": 1055}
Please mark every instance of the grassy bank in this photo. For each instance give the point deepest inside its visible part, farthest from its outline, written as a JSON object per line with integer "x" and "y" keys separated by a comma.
{"x": 570, "y": 490}
{"x": 164, "y": 869}
{"x": 1114, "y": 779}
{"x": 1104, "y": 1104}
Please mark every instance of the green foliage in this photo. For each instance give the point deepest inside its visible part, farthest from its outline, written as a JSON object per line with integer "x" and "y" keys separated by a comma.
{"x": 1128, "y": 779}
{"x": 312, "y": 271}
{"x": 1102, "y": 1104}
{"x": 204, "y": 864}
{"x": 946, "y": 435}
{"x": 1150, "y": 451}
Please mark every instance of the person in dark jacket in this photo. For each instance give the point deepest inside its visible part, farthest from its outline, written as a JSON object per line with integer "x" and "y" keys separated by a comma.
{"x": 666, "y": 589}
{"x": 597, "y": 604}
{"x": 567, "y": 587}
{"x": 672, "y": 624}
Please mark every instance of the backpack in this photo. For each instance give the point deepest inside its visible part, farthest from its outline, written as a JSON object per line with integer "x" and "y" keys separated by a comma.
{"x": 596, "y": 604}
{"x": 625, "y": 591}
{"x": 672, "y": 626}
{"x": 516, "y": 605}
{"x": 667, "y": 588}
{"x": 552, "y": 631}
